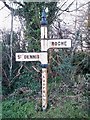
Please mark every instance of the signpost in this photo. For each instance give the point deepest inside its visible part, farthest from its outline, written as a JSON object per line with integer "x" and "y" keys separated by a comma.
{"x": 59, "y": 43}
{"x": 42, "y": 56}
{"x": 44, "y": 45}
{"x": 32, "y": 57}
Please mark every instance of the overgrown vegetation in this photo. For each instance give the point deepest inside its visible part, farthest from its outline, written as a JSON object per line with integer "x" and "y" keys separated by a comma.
{"x": 68, "y": 75}
{"x": 63, "y": 102}
{"x": 67, "y": 98}
{"x": 21, "y": 109}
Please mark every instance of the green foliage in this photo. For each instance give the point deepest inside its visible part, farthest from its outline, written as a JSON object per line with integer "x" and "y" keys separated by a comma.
{"x": 0, "y": 98}
{"x": 75, "y": 110}
{"x": 23, "y": 91}
{"x": 81, "y": 61}
{"x": 61, "y": 104}
{"x": 78, "y": 57}
{"x": 31, "y": 12}
{"x": 66, "y": 69}
{"x": 6, "y": 60}
{"x": 22, "y": 109}
{"x": 63, "y": 70}
{"x": 28, "y": 79}
{"x": 16, "y": 109}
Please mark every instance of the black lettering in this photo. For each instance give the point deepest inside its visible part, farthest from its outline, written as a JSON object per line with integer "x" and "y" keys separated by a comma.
{"x": 34, "y": 56}
{"x": 55, "y": 43}
{"x": 43, "y": 80}
{"x": 65, "y": 43}
{"x": 59, "y": 43}
{"x": 43, "y": 91}
{"x": 43, "y": 76}
{"x": 52, "y": 43}
{"x": 43, "y": 87}
{"x": 37, "y": 56}
{"x": 30, "y": 56}
{"x": 43, "y": 84}
{"x": 19, "y": 56}
{"x": 25, "y": 56}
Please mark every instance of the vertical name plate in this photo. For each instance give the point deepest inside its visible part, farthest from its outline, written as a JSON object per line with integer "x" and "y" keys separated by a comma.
{"x": 44, "y": 88}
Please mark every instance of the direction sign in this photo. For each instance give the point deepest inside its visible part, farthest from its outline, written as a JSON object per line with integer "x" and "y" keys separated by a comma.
{"x": 59, "y": 43}
{"x": 33, "y": 56}
{"x": 27, "y": 56}
{"x": 42, "y": 56}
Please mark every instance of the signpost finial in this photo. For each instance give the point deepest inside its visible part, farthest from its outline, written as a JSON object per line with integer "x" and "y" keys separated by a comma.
{"x": 43, "y": 20}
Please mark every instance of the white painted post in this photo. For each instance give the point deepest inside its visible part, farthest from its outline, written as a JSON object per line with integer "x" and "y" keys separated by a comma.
{"x": 44, "y": 66}
{"x": 44, "y": 88}
{"x": 43, "y": 57}
{"x": 44, "y": 42}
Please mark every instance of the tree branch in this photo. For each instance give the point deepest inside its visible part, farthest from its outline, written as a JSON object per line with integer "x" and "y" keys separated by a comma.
{"x": 33, "y": 68}
{"x": 77, "y": 8}
{"x": 66, "y": 8}
{"x": 19, "y": 3}
{"x": 6, "y": 77}
{"x": 17, "y": 75}
{"x": 2, "y": 8}
{"x": 10, "y": 8}
{"x": 63, "y": 10}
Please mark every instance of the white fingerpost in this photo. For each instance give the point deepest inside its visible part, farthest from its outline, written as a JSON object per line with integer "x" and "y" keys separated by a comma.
{"x": 44, "y": 42}
{"x": 59, "y": 43}
{"x": 32, "y": 56}
{"x": 43, "y": 55}
{"x": 44, "y": 45}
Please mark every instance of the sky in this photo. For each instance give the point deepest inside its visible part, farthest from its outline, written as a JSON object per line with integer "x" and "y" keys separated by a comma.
{"x": 5, "y": 16}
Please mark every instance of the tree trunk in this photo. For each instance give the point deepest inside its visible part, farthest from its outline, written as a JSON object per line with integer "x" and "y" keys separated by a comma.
{"x": 11, "y": 40}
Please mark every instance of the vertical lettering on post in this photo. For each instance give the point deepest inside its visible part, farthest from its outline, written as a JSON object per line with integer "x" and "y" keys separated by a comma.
{"x": 44, "y": 88}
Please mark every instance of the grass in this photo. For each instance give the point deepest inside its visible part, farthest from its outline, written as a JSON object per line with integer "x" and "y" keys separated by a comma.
{"x": 0, "y": 110}
{"x": 21, "y": 109}
{"x": 16, "y": 109}
{"x": 59, "y": 105}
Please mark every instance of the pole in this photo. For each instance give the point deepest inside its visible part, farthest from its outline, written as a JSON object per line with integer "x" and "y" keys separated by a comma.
{"x": 88, "y": 25}
{"x": 44, "y": 88}
{"x": 44, "y": 66}
{"x": 11, "y": 40}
